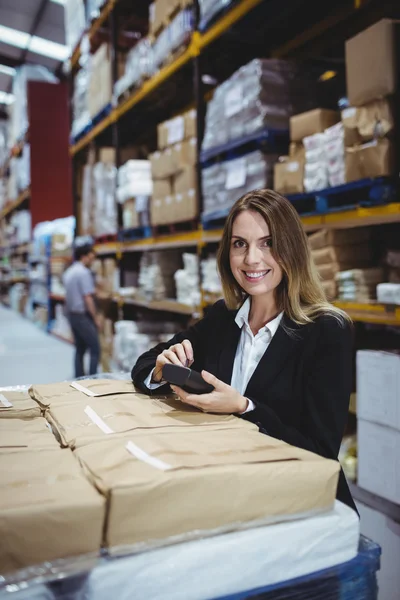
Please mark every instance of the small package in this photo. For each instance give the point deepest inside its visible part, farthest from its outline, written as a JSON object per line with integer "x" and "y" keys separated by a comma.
{"x": 288, "y": 176}
{"x": 374, "y": 159}
{"x": 311, "y": 122}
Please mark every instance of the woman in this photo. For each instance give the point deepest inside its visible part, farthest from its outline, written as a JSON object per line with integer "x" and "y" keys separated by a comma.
{"x": 277, "y": 353}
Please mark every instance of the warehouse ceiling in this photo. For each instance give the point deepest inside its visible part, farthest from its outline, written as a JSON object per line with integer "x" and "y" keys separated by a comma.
{"x": 31, "y": 31}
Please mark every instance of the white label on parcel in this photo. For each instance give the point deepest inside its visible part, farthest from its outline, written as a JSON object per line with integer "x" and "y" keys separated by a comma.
{"x": 150, "y": 460}
{"x": 235, "y": 173}
{"x": 97, "y": 420}
{"x": 234, "y": 101}
{"x": 81, "y": 388}
{"x": 6, "y": 403}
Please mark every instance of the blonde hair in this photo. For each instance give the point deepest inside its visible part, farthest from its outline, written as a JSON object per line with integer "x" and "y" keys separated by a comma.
{"x": 300, "y": 294}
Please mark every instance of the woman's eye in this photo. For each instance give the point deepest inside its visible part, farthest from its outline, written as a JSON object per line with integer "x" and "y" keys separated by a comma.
{"x": 238, "y": 244}
{"x": 268, "y": 243}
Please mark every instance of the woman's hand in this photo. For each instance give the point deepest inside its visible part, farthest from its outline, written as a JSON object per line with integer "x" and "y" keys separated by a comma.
{"x": 224, "y": 399}
{"x": 179, "y": 354}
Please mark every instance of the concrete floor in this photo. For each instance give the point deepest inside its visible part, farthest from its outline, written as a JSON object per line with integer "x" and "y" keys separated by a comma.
{"x": 29, "y": 355}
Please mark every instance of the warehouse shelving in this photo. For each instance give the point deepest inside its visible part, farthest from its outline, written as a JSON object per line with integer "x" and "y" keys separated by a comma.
{"x": 15, "y": 204}
{"x": 93, "y": 30}
{"x": 371, "y": 312}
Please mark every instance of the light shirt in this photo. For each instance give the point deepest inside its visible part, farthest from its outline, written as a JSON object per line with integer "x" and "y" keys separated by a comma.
{"x": 78, "y": 282}
{"x": 249, "y": 351}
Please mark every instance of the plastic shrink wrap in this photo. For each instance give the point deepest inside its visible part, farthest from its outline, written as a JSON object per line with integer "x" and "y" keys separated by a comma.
{"x": 225, "y": 182}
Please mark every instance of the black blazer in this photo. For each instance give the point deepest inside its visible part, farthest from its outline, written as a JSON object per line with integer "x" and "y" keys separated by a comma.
{"x": 300, "y": 388}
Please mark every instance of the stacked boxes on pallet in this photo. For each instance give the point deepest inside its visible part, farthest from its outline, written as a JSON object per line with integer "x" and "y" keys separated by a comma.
{"x": 371, "y": 83}
{"x": 173, "y": 169}
{"x": 335, "y": 251}
{"x": 316, "y": 156}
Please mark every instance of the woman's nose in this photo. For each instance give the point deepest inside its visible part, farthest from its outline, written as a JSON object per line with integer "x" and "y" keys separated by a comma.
{"x": 252, "y": 255}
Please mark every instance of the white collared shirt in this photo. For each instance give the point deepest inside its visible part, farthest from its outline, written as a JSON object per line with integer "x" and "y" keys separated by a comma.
{"x": 250, "y": 348}
{"x": 249, "y": 351}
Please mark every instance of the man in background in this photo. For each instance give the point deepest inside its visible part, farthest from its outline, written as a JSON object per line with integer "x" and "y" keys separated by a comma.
{"x": 81, "y": 309}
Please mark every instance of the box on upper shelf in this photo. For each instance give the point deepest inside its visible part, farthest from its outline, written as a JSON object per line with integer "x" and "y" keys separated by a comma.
{"x": 373, "y": 159}
{"x": 371, "y": 62}
{"x": 289, "y": 176}
{"x": 312, "y": 122}
{"x": 177, "y": 129}
{"x": 368, "y": 122}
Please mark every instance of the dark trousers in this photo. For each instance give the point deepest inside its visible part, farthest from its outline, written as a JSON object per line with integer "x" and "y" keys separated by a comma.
{"x": 86, "y": 338}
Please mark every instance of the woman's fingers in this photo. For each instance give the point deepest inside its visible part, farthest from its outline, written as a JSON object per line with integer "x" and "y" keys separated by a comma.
{"x": 172, "y": 357}
{"x": 188, "y": 351}
{"x": 179, "y": 350}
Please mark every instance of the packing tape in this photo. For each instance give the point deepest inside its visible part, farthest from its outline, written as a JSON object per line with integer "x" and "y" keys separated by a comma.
{"x": 97, "y": 420}
{"x": 6, "y": 403}
{"x": 150, "y": 460}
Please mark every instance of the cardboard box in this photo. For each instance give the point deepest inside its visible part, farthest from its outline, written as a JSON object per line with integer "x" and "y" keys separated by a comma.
{"x": 180, "y": 483}
{"x": 378, "y": 387}
{"x": 371, "y": 65}
{"x": 311, "y": 122}
{"x": 190, "y": 124}
{"x": 18, "y": 405}
{"x": 177, "y": 129}
{"x": 60, "y": 245}
{"x": 185, "y": 206}
{"x": 342, "y": 254}
{"x": 158, "y": 14}
{"x": 100, "y": 81}
{"x": 55, "y": 514}
{"x": 374, "y": 159}
{"x": 25, "y": 435}
{"x": 48, "y": 394}
{"x": 92, "y": 419}
{"x": 338, "y": 237}
{"x": 289, "y": 176}
{"x": 365, "y": 123}
{"x": 161, "y": 164}
{"x": 107, "y": 156}
{"x": 185, "y": 180}
{"x": 378, "y": 450}
{"x": 297, "y": 151}
{"x": 329, "y": 271}
{"x": 184, "y": 154}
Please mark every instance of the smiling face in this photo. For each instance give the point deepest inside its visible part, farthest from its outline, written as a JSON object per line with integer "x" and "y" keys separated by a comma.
{"x": 250, "y": 257}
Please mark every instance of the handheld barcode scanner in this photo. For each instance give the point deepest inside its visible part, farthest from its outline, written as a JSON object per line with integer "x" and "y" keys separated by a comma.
{"x": 190, "y": 381}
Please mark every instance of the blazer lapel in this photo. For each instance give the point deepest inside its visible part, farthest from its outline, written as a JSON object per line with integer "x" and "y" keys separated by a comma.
{"x": 277, "y": 354}
{"x": 227, "y": 356}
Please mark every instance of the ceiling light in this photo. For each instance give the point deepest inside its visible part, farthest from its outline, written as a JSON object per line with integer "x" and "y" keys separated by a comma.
{"x": 48, "y": 48}
{"x": 33, "y": 43}
{"x": 7, "y": 70}
{"x": 6, "y": 98}
{"x": 13, "y": 37}
{"x": 327, "y": 75}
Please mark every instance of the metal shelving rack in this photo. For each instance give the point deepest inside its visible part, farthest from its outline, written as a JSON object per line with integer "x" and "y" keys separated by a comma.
{"x": 225, "y": 26}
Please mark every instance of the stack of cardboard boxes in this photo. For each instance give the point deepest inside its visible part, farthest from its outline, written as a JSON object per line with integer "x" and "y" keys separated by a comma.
{"x": 334, "y": 251}
{"x": 173, "y": 169}
{"x": 306, "y": 167}
{"x": 100, "y": 84}
{"x": 53, "y": 494}
{"x": 107, "y": 276}
{"x": 156, "y": 465}
{"x": 378, "y": 423}
{"x": 371, "y": 83}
